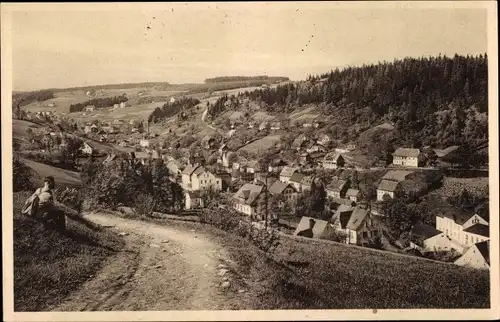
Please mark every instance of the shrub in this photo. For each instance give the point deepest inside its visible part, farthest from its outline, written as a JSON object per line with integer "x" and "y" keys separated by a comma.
{"x": 144, "y": 204}
{"x": 70, "y": 197}
{"x": 21, "y": 175}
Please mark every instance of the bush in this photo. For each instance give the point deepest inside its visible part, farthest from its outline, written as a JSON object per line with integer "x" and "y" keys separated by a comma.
{"x": 70, "y": 197}
{"x": 145, "y": 204}
{"x": 21, "y": 175}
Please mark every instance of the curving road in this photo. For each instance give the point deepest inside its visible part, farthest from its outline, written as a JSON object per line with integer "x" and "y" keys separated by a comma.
{"x": 161, "y": 268}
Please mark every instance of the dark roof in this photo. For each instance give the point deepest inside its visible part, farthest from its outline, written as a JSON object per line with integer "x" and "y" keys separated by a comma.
{"x": 396, "y": 175}
{"x": 307, "y": 180}
{"x": 479, "y": 229}
{"x": 332, "y": 156}
{"x": 358, "y": 216}
{"x": 343, "y": 214}
{"x": 386, "y": 185}
{"x": 249, "y": 193}
{"x": 319, "y": 229}
{"x": 193, "y": 194}
{"x": 406, "y": 152}
{"x": 342, "y": 201}
{"x": 484, "y": 249}
{"x": 336, "y": 185}
{"x": 189, "y": 170}
{"x": 423, "y": 230}
{"x": 287, "y": 171}
{"x": 198, "y": 171}
{"x": 352, "y": 193}
{"x": 297, "y": 177}
{"x": 277, "y": 187}
{"x": 457, "y": 215}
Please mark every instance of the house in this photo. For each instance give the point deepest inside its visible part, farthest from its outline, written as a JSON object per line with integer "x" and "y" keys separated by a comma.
{"x": 275, "y": 126}
{"x": 172, "y": 100}
{"x": 208, "y": 142}
{"x": 296, "y": 180}
{"x": 300, "y": 141}
{"x": 304, "y": 158}
{"x": 276, "y": 165}
{"x": 406, "y": 157}
{"x": 186, "y": 176}
{"x": 463, "y": 227}
{"x": 320, "y": 228}
{"x": 448, "y": 156}
{"x": 89, "y": 108}
{"x": 396, "y": 175}
{"x": 174, "y": 167}
{"x": 353, "y": 194}
{"x": 351, "y": 147}
{"x": 323, "y": 140}
{"x": 203, "y": 179}
{"x": 118, "y": 122}
{"x": 115, "y": 106}
{"x": 193, "y": 200}
{"x": 122, "y": 105}
{"x": 315, "y": 147}
{"x": 108, "y": 129}
{"x": 286, "y": 190}
{"x": 86, "y": 149}
{"x": 477, "y": 256}
{"x": 144, "y": 143}
{"x": 337, "y": 188}
{"x": 333, "y": 160}
{"x": 252, "y": 124}
{"x": 358, "y": 224}
{"x": 287, "y": 173}
{"x": 253, "y": 166}
{"x": 306, "y": 183}
{"x": 426, "y": 238}
{"x": 263, "y": 125}
{"x": 387, "y": 187}
{"x": 250, "y": 200}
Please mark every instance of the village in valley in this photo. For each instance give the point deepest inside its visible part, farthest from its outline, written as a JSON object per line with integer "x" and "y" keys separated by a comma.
{"x": 300, "y": 172}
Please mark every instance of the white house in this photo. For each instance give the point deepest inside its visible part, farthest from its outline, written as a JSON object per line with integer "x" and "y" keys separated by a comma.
{"x": 336, "y": 188}
{"x": 122, "y": 105}
{"x": 465, "y": 228}
{"x": 250, "y": 200}
{"x": 287, "y": 173}
{"x": 358, "y": 224}
{"x": 286, "y": 190}
{"x": 406, "y": 157}
{"x": 296, "y": 180}
{"x": 144, "y": 143}
{"x": 426, "y": 238}
{"x": 204, "y": 179}
{"x": 86, "y": 149}
{"x": 477, "y": 256}
{"x": 333, "y": 160}
{"x": 353, "y": 194}
{"x": 387, "y": 187}
{"x": 89, "y": 108}
{"x": 193, "y": 200}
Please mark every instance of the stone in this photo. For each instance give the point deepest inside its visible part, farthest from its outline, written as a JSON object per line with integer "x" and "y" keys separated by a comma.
{"x": 223, "y": 272}
{"x": 241, "y": 291}
{"x": 122, "y": 234}
{"x": 225, "y": 284}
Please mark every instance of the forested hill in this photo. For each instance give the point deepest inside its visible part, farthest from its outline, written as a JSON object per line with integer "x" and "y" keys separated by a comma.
{"x": 437, "y": 101}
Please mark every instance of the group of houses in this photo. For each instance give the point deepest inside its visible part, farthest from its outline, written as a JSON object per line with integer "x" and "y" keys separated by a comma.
{"x": 465, "y": 233}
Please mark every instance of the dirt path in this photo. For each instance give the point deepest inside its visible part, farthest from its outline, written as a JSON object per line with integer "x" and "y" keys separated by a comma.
{"x": 161, "y": 268}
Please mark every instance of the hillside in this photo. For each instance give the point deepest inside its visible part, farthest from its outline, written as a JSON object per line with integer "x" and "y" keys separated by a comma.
{"x": 48, "y": 264}
{"x": 63, "y": 177}
{"x": 435, "y": 101}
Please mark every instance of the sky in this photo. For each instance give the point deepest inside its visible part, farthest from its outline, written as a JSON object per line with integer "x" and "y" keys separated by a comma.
{"x": 187, "y": 43}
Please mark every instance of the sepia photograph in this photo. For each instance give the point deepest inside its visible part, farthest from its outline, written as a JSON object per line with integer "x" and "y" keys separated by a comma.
{"x": 250, "y": 160}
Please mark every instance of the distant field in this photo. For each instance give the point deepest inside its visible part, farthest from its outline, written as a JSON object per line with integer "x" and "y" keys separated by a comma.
{"x": 262, "y": 116}
{"x": 262, "y": 144}
{"x": 63, "y": 177}
{"x": 307, "y": 113}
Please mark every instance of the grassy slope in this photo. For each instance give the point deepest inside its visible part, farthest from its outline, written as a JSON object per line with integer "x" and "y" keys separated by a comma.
{"x": 48, "y": 264}
{"x": 63, "y": 177}
{"x": 308, "y": 275}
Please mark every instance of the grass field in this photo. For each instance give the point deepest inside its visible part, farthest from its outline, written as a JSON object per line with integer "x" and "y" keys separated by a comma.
{"x": 63, "y": 177}
{"x": 48, "y": 264}
{"x": 262, "y": 144}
